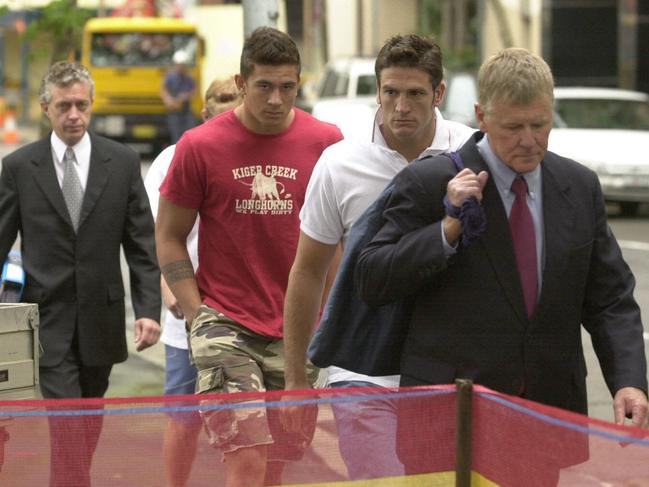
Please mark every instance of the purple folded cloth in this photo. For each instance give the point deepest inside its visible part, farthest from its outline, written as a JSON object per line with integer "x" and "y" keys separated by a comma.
{"x": 471, "y": 214}
{"x": 472, "y": 218}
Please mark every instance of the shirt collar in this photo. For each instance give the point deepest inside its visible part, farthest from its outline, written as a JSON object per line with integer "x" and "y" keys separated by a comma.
{"x": 502, "y": 174}
{"x": 81, "y": 148}
{"x": 441, "y": 141}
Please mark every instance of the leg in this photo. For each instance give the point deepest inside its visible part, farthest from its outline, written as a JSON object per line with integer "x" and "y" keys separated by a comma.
{"x": 246, "y": 467}
{"x": 421, "y": 433}
{"x": 182, "y": 431}
{"x": 180, "y": 443}
{"x": 274, "y": 472}
{"x": 367, "y": 432}
{"x": 225, "y": 355}
{"x": 189, "y": 121}
{"x": 72, "y": 439}
{"x": 286, "y": 447}
{"x": 174, "y": 124}
{"x": 94, "y": 383}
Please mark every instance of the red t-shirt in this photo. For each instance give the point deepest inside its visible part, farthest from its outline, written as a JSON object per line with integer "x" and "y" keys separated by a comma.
{"x": 248, "y": 189}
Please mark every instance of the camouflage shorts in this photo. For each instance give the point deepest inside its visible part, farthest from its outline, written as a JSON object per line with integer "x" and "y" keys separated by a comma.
{"x": 231, "y": 358}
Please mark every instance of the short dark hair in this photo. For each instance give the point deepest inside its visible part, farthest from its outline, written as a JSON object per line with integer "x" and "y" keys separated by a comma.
{"x": 411, "y": 51}
{"x": 270, "y": 47}
{"x": 64, "y": 74}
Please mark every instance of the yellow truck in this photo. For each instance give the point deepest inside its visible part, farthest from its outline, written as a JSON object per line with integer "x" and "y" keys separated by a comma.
{"x": 129, "y": 58}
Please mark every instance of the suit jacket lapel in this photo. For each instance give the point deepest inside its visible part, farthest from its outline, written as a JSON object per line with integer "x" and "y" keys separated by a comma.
{"x": 496, "y": 240}
{"x": 45, "y": 176}
{"x": 97, "y": 178}
{"x": 558, "y": 217}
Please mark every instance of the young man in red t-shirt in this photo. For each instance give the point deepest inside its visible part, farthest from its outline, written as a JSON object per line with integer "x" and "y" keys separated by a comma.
{"x": 245, "y": 173}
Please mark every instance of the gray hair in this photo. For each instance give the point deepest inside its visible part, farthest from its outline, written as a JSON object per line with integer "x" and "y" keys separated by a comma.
{"x": 516, "y": 76}
{"x": 64, "y": 74}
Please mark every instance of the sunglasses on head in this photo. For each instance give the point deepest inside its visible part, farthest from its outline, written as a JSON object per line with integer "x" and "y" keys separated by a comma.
{"x": 225, "y": 97}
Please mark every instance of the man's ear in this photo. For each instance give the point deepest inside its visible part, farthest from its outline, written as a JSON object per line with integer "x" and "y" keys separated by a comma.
{"x": 480, "y": 117}
{"x": 45, "y": 107}
{"x": 240, "y": 82}
{"x": 439, "y": 94}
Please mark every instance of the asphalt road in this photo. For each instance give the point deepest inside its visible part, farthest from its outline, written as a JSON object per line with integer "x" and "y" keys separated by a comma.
{"x": 633, "y": 237}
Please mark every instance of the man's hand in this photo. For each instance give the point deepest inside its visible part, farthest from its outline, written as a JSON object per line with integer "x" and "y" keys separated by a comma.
{"x": 170, "y": 301}
{"x": 298, "y": 419}
{"x": 465, "y": 184}
{"x": 630, "y": 401}
{"x": 147, "y": 332}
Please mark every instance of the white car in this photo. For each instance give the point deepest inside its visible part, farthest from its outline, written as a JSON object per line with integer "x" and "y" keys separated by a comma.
{"x": 348, "y": 78}
{"x": 606, "y": 129}
{"x": 353, "y": 116}
{"x": 460, "y": 97}
{"x": 346, "y": 97}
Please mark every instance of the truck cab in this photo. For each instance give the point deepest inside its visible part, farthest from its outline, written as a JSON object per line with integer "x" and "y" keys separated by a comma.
{"x": 129, "y": 58}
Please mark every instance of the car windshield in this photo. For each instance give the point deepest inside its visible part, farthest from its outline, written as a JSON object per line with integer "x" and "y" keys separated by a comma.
{"x": 140, "y": 49}
{"x": 603, "y": 113}
{"x": 366, "y": 85}
{"x": 334, "y": 84}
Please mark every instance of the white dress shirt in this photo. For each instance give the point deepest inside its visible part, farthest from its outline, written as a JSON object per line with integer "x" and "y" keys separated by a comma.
{"x": 81, "y": 152}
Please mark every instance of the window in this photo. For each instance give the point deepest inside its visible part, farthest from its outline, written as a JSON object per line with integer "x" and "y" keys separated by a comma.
{"x": 366, "y": 85}
{"x": 140, "y": 49}
{"x": 603, "y": 113}
{"x": 335, "y": 84}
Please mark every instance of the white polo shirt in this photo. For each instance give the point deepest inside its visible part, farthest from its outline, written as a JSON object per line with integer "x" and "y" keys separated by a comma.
{"x": 347, "y": 179}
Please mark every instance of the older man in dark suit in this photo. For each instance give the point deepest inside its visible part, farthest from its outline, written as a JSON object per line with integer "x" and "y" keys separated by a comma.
{"x": 506, "y": 310}
{"x": 76, "y": 199}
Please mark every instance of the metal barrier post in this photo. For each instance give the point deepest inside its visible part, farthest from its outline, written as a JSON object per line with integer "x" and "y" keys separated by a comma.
{"x": 464, "y": 412}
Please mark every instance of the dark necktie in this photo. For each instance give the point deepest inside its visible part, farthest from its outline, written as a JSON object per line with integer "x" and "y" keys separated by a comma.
{"x": 521, "y": 226}
{"x": 71, "y": 187}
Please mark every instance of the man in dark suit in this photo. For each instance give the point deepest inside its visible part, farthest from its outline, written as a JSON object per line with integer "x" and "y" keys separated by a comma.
{"x": 505, "y": 311}
{"x": 76, "y": 199}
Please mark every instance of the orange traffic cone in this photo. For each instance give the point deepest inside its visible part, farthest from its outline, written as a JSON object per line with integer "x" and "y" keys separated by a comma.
{"x": 3, "y": 109}
{"x": 10, "y": 135}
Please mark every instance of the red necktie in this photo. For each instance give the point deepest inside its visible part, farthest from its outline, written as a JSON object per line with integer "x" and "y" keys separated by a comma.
{"x": 521, "y": 226}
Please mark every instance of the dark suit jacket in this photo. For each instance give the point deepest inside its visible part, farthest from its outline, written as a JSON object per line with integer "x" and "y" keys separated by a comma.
{"x": 76, "y": 279}
{"x": 469, "y": 318}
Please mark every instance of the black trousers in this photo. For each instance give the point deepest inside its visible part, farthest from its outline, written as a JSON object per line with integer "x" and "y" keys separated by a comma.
{"x": 73, "y": 439}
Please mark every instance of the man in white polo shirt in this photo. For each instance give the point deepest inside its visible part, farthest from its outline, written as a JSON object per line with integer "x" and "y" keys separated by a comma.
{"x": 346, "y": 180}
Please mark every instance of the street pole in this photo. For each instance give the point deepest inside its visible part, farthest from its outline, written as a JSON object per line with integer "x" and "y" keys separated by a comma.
{"x": 627, "y": 49}
{"x": 463, "y": 432}
{"x": 258, "y": 13}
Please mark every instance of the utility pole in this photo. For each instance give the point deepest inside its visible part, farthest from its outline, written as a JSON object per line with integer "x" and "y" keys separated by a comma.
{"x": 503, "y": 24}
{"x": 627, "y": 49}
{"x": 258, "y": 13}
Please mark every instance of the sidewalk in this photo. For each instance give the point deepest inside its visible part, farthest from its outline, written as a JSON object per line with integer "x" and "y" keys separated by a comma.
{"x": 143, "y": 372}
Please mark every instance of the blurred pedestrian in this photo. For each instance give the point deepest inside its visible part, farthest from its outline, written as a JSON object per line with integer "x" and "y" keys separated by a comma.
{"x": 347, "y": 179}
{"x": 180, "y": 375}
{"x": 506, "y": 311}
{"x": 177, "y": 91}
{"x": 77, "y": 199}
{"x": 245, "y": 174}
